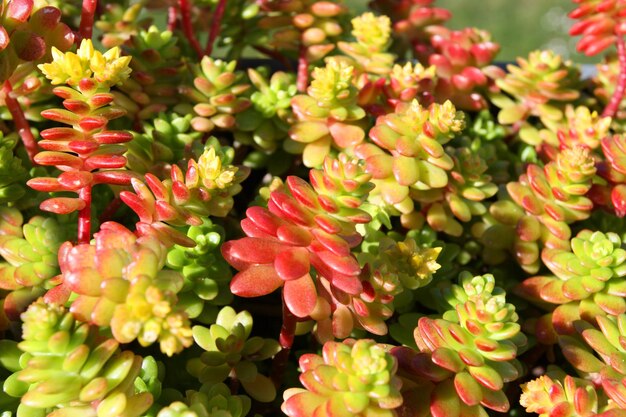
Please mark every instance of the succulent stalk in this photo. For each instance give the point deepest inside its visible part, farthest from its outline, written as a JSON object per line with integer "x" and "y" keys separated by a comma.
{"x": 22, "y": 125}
{"x": 86, "y": 20}
{"x": 216, "y": 23}
{"x": 185, "y": 19}
{"x": 620, "y": 88}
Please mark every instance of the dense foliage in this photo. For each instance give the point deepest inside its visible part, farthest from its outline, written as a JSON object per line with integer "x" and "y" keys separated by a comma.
{"x": 377, "y": 220}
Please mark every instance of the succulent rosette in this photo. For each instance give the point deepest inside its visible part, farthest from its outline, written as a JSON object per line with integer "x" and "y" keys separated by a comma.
{"x": 328, "y": 116}
{"x": 67, "y": 368}
{"x": 367, "y": 54}
{"x": 477, "y": 342}
{"x": 156, "y": 72}
{"x": 462, "y": 198}
{"x": 231, "y": 352}
{"x": 539, "y": 86}
{"x": 265, "y": 124}
{"x": 552, "y": 198}
{"x": 588, "y": 280}
{"x": 408, "y": 152}
{"x": 304, "y": 226}
{"x": 354, "y": 378}
{"x": 217, "y": 92}
{"x": 120, "y": 282}
{"x": 462, "y": 60}
{"x": 28, "y": 31}
{"x": 573, "y": 397}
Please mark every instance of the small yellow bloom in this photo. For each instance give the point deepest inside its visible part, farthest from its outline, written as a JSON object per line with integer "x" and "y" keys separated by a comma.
{"x": 372, "y": 31}
{"x": 211, "y": 172}
{"x": 107, "y": 69}
{"x": 332, "y": 82}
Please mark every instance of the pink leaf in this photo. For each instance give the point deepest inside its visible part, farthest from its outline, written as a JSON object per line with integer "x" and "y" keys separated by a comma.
{"x": 256, "y": 281}
{"x": 292, "y": 263}
{"x": 300, "y": 296}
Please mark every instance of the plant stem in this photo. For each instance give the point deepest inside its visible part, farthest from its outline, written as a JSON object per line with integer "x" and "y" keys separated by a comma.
{"x": 23, "y": 128}
{"x": 303, "y": 70}
{"x": 86, "y": 20}
{"x": 275, "y": 55}
{"x": 185, "y": 17}
{"x": 84, "y": 216}
{"x": 620, "y": 88}
{"x": 216, "y": 24}
{"x": 287, "y": 334}
{"x": 172, "y": 18}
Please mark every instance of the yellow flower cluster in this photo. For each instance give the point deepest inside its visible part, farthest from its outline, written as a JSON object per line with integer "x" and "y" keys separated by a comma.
{"x": 70, "y": 68}
{"x": 372, "y": 31}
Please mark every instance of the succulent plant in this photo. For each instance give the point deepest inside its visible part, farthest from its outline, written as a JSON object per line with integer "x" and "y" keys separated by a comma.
{"x": 303, "y": 227}
{"x": 368, "y": 54}
{"x": 156, "y": 73}
{"x": 410, "y": 82}
{"x": 407, "y": 152}
{"x": 552, "y": 198}
{"x": 119, "y": 23}
{"x": 587, "y": 281}
{"x": 207, "y": 275}
{"x": 462, "y": 198}
{"x": 28, "y": 31}
{"x": 307, "y": 27}
{"x": 462, "y": 60}
{"x": 601, "y": 22}
{"x": 213, "y": 401}
{"x": 217, "y": 93}
{"x": 539, "y": 86}
{"x": 231, "y": 352}
{"x": 119, "y": 281}
{"x": 87, "y": 152}
{"x": 477, "y": 341}
{"x": 206, "y": 189}
{"x": 29, "y": 250}
{"x": 265, "y": 124}
{"x": 68, "y": 368}
{"x": 572, "y": 397}
{"x": 328, "y": 116}
{"x": 11, "y": 172}
{"x": 354, "y": 378}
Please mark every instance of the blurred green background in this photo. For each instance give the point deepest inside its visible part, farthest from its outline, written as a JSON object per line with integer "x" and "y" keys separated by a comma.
{"x": 519, "y": 26}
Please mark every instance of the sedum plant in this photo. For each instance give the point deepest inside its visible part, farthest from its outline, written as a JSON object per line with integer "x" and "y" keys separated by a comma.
{"x": 413, "y": 229}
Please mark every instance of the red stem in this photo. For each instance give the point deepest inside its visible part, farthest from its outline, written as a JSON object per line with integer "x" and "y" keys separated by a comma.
{"x": 172, "y": 18}
{"x": 86, "y": 20}
{"x": 275, "y": 55}
{"x": 216, "y": 24}
{"x": 185, "y": 17}
{"x": 84, "y": 216}
{"x": 287, "y": 334}
{"x": 23, "y": 128}
{"x": 303, "y": 70}
{"x": 620, "y": 88}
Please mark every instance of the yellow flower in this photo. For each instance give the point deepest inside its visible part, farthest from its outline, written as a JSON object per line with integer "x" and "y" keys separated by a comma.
{"x": 211, "y": 172}
{"x": 372, "y": 31}
{"x": 106, "y": 69}
{"x": 331, "y": 82}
